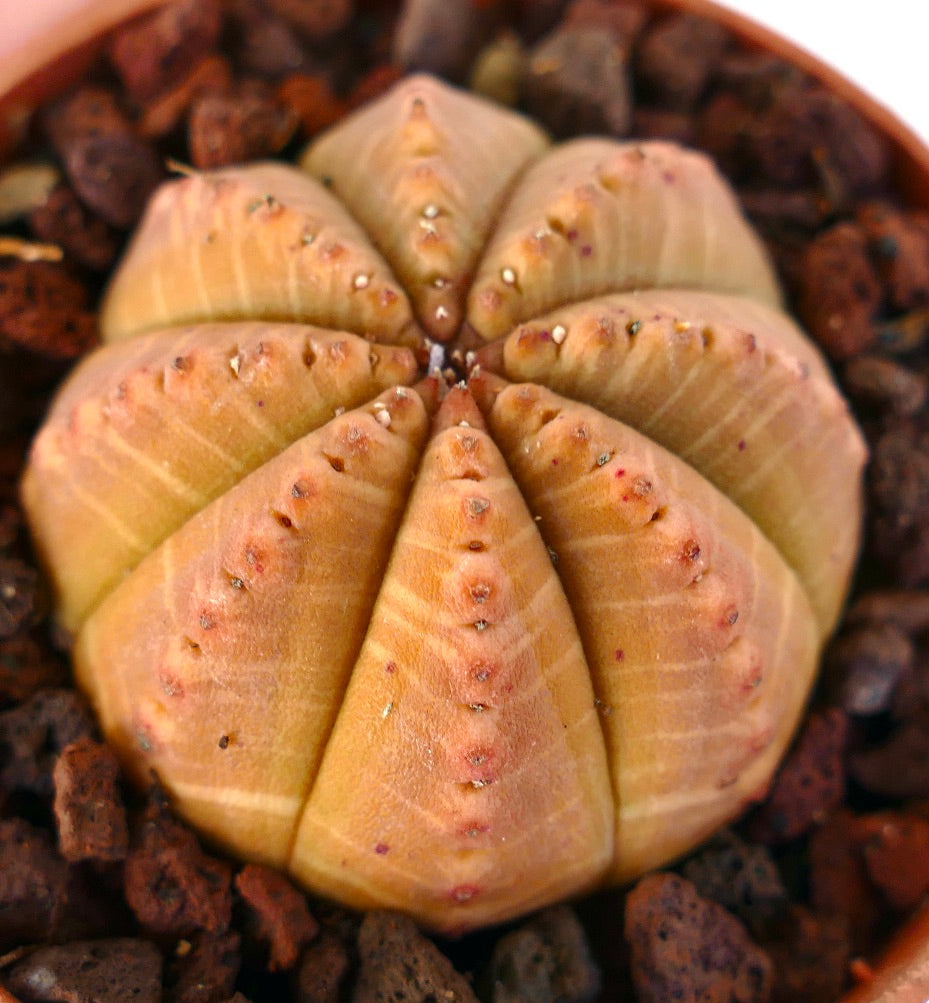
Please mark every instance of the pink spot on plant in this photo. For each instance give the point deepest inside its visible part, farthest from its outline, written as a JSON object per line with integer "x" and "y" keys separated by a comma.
{"x": 464, "y": 893}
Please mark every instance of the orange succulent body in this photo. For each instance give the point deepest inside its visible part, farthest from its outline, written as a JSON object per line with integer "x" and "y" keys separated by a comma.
{"x": 457, "y": 650}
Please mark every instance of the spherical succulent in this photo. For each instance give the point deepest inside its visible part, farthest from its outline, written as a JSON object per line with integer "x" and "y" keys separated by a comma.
{"x": 456, "y": 648}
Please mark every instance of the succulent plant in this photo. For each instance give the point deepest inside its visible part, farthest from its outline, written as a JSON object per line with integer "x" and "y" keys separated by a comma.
{"x": 456, "y": 648}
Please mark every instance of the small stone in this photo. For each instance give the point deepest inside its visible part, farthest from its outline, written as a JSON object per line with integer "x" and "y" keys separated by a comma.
{"x": 898, "y": 767}
{"x": 25, "y": 667}
{"x": 905, "y": 609}
{"x": 84, "y": 237}
{"x": 32, "y": 735}
{"x": 96, "y": 971}
{"x": 172, "y": 886}
{"x": 278, "y": 913}
{"x": 322, "y": 970}
{"x": 896, "y": 854}
{"x": 898, "y": 487}
{"x": 442, "y": 37}
{"x": 899, "y": 243}
{"x": 547, "y": 960}
{"x": 885, "y": 384}
{"x": 810, "y": 782}
{"x": 742, "y": 877}
{"x": 864, "y": 666}
{"x": 45, "y": 309}
{"x": 88, "y": 805}
{"x": 249, "y": 123}
{"x": 676, "y": 57}
{"x": 396, "y": 962}
{"x": 687, "y": 948}
{"x": 153, "y": 53}
{"x": 577, "y": 80}
{"x": 18, "y": 583}
{"x": 316, "y": 20}
{"x": 840, "y": 291}
{"x": 114, "y": 175}
{"x": 263, "y": 43}
{"x": 206, "y": 971}
{"x": 809, "y": 959}
{"x": 33, "y": 883}
{"x": 838, "y": 880}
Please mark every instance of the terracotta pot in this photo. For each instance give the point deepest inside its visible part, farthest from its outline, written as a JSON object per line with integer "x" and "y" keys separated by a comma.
{"x": 43, "y": 52}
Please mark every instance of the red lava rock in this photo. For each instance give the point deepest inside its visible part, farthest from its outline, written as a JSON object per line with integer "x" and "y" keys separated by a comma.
{"x": 114, "y": 175}
{"x": 896, "y": 854}
{"x": 322, "y": 970}
{"x": 398, "y": 963}
{"x": 839, "y": 882}
{"x": 311, "y": 98}
{"x": 85, "y": 238}
{"x": 802, "y": 209}
{"x": 264, "y": 44}
{"x": 317, "y": 20}
{"x": 865, "y": 665}
{"x": 11, "y": 525}
{"x": 660, "y": 123}
{"x": 32, "y": 734}
{"x": 840, "y": 292}
{"x": 64, "y": 335}
{"x": 624, "y": 19}
{"x": 44, "y": 309}
{"x": 547, "y": 958}
{"x": 899, "y": 244}
{"x": 577, "y": 80}
{"x": 172, "y": 886}
{"x": 757, "y": 77}
{"x": 810, "y": 782}
{"x": 808, "y": 134}
{"x": 162, "y": 115}
{"x": 155, "y": 52}
{"x": 723, "y": 129}
{"x": 886, "y": 384}
{"x": 906, "y": 609}
{"x": 112, "y": 169}
{"x": 810, "y": 960}
{"x": 373, "y": 84}
{"x": 688, "y": 948}
{"x": 25, "y": 667}
{"x": 204, "y": 969}
{"x": 442, "y": 36}
{"x": 96, "y": 971}
{"x": 535, "y": 17}
{"x": 898, "y": 486}
{"x": 86, "y": 111}
{"x": 899, "y": 767}
{"x": 248, "y": 124}
{"x": 742, "y": 877}
{"x": 33, "y": 883}
{"x": 18, "y": 583}
{"x": 675, "y": 59}
{"x": 88, "y": 805}
{"x": 278, "y": 912}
